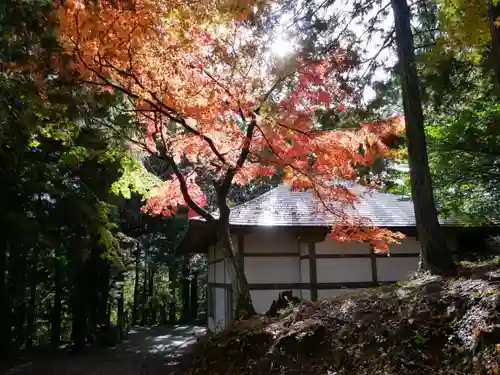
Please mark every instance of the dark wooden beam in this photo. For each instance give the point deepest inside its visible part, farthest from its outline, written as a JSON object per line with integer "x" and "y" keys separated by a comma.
{"x": 319, "y": 286}
{"x": 270, "y": 255}
{"x": 219, "y": 285}
{"x": 358, "y": 256}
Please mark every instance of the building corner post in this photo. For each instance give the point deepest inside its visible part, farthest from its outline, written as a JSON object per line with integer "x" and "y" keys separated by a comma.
{"x": 313, "y": 275}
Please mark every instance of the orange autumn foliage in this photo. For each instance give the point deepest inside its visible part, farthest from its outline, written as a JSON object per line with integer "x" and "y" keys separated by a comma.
{"x": 390, "y": 130}
{"x": 207, "y": 88}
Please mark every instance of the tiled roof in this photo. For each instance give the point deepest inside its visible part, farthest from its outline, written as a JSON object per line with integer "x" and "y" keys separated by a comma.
{"x": 283, "y": 207}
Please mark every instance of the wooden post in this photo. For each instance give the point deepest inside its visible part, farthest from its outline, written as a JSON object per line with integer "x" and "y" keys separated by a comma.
{"x": 373, "y": 258}
{"x": 313, "y": 275}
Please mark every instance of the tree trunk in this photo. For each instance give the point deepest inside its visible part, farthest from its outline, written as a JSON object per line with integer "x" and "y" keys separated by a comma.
{"x": 104, "y": 276}
{"x": 109, "y": 307}
{"x": 194, "y": 296}
{"x": 144, "y": 299}
{"x": 244, "y": 305}
{"x": 92, "y": 286}
{"x": 135, "y": 308}
{"x": 172, "y": 313}
{"x": 151, "y": 280}
{"x": 17, "y": 292}
{"x": 55, "y": 334}
{"x": 32, "y": 302}
{"x": 4, "y": 298}
{"x": 185, "y": 318}
{"x": 434, "y": 255}
{"x": 493, "y": 15}
{"x": 121, "y": 315}
{"x": 172, "y": 308}
{"x": 151, "y": 286}
{"x": 163, "y": 313}
{"x": 78, "y": 307}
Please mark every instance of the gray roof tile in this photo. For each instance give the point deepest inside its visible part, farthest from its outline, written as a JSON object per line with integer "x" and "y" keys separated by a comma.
{"x": 283, "y": 207}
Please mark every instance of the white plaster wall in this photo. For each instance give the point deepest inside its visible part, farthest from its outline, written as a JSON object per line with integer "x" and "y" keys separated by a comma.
{"x": 330, "y": 246}
{"x": 288, "y": 269}
{"x": 407, "y": 245}
{"x": 220, "y": 308}
{"x": 285, "y": 269}
{"x": 211, "y": 273}
{"x": 306, "y": 294}
{"x": 211, "y": 324}
{"x": 395, "y": 269}
{"x": 267, "y": 241}
{"x": 262, "y": 299}
{"x": 220, "y": 272}
{"x": 337, "y": 270}
{"x": 329, "y": 293}
{"x": 304, "y": 271}
{"x": 304, "y": 248}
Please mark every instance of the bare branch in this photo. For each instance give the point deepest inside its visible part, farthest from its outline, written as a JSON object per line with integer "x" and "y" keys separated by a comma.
{"x": 387, "y": 42}
{"x": 185, "y": 191}
{"x": 209, "y": 75}
{"x": 245, "y": 151}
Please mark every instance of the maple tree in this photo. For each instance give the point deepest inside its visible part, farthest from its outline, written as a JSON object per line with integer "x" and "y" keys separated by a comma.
{"x": 207, "y": 89}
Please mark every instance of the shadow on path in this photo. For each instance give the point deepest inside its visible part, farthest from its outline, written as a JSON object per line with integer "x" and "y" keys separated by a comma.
{"x": 146, "y": 351}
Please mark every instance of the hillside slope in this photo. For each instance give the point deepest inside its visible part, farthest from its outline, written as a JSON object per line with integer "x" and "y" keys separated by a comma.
{"x": 429, "y": 325}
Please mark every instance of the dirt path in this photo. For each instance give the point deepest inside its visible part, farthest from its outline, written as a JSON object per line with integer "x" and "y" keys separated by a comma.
{"x": 147, "y": 351}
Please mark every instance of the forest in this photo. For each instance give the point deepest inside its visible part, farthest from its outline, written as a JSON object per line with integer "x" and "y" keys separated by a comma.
{"x": 121, "y": 120}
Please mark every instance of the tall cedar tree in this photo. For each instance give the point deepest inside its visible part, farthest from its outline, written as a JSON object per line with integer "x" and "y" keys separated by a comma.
{"x": 435, "y": 255}
{"x": 208, "y": 89}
